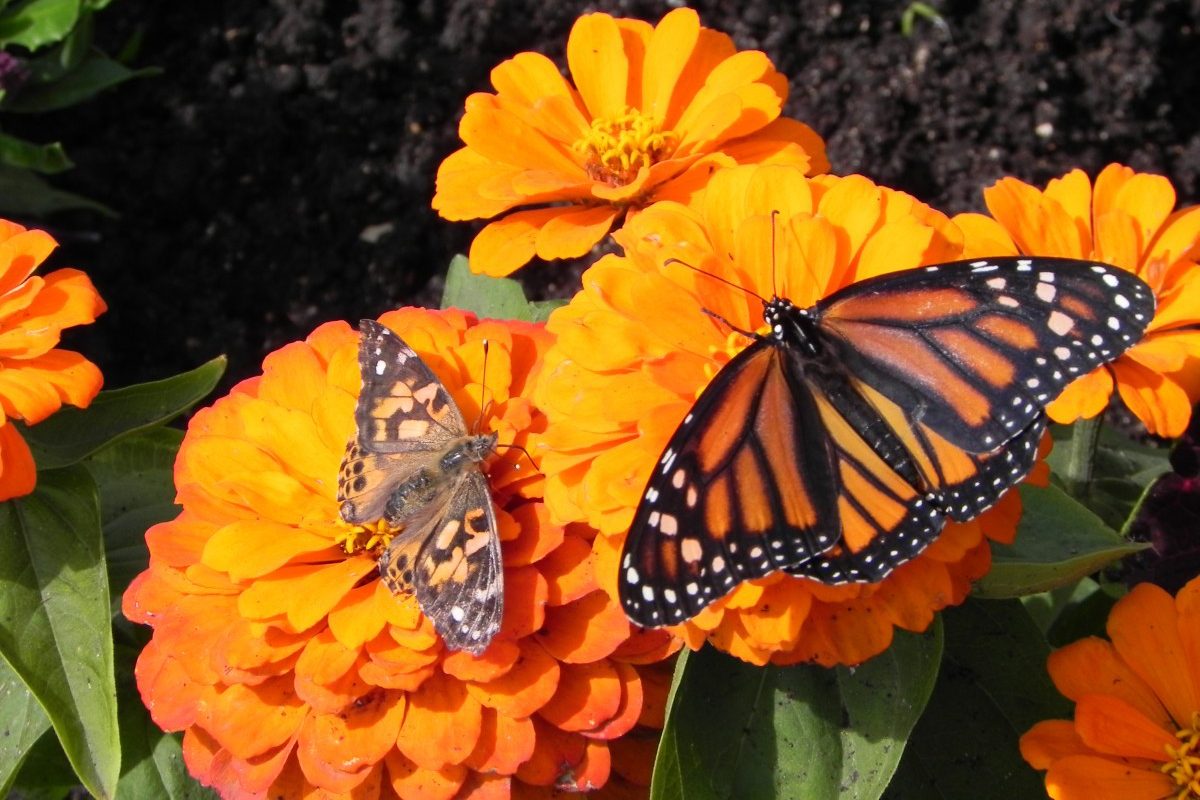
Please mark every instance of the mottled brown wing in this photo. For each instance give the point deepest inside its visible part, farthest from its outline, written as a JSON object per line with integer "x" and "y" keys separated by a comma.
{"x": 452, "y": 564}
{"x": 403, "y": 407}
{"x": 404, "y": 419}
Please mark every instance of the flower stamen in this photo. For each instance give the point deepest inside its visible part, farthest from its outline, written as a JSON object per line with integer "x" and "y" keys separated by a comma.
{"x": 373, "y": 537}
{"x": 1184, "y": 766}
{"x": 617, "y": 147}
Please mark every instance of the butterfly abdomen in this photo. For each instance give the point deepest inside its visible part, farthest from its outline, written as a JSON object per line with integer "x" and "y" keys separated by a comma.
{"x": 418, "y": 492}
{"x": 413, "y": 496}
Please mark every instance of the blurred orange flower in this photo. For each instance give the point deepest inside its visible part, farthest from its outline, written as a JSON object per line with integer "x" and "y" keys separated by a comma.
{"x": 1136, "y": 732}
{"x": 294, "y": 672}
{"x": 1128, "y": 220}
{"x": 635, "y": 348}
{"x": 36, "y": 378}
{"x": 652, "y": 111}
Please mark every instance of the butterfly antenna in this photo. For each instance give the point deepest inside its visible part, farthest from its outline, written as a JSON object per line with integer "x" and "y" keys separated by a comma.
{"x": 715, "y": 278}
{"x": 774, "y": 261}
{"x": 812, "y": 274}
{"x": 482, "y": 388}
{"x": 523, "y": 450}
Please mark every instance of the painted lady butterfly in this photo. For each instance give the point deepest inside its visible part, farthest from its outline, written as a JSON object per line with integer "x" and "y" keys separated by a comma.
{"x": 413, "y": 464}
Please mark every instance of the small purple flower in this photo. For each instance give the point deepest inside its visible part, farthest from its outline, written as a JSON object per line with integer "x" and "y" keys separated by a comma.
{"x": 13, "y": 72}
{"x": 1169, "y": 519}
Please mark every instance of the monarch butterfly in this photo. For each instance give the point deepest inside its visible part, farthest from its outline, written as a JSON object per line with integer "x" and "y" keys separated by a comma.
{"x": 836, "y": 446}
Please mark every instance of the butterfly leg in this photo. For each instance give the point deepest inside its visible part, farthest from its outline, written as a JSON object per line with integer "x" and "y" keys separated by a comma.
{"x": 730, "y": 325}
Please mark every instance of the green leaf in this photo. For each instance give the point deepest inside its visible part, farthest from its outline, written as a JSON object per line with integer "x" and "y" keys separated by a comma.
{"x": 55, "y": 630}
{"x": 540, "y": 310}
{"x": 24, "y": 193}
{"x": 1074, "y": 611}
{"x": 93, "y": 75}
{"x": 22, "y": 722}
{"x": 734, "y": 730}
{"x": 1117, "y": 456}
{"x": 52, "y": 64}
{"x": 1121, "y": 470}
{"x": 491, "y": 298}
{"x": 76, "y": 47}
{"x": 46, "y": 773}
{"x": 1001, "y": 646}
{"x": 135, "y": 478}
{"x": 75, "y": 433}
{"x": 884, "y": 699}
{"x": 37, "y": 23}
{"x": 45, "y": 158}
{"x": 993, "y": 687}
{"x": 155, "y": 760}
{"x": 1058, "y": 542}
{"x": 497, "y": 298}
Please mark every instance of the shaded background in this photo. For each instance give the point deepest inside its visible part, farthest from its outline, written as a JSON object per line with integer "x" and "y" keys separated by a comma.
{"x": 279, "y": 173}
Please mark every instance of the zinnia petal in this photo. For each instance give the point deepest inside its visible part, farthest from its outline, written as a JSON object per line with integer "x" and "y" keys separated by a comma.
{"x": 507, "y": 244}
{"x": 1049, "y": 741}
{"x": 599, "y": 67}
{"x": 18, "y": 473}
{"x": 1094, "y": 778}
{"x": 1111, "y": 726}
{"x": 1144, "y": 630}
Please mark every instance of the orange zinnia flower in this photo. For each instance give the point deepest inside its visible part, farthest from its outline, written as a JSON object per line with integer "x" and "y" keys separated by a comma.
{"x": 635, "y": 348}
{"x": 653, "y": 110}
{"x": 294, "y": 672}
{"x": 1126, "y": 220}
{"x": 36, "y": 378}
{"x": 1136, "y": 732}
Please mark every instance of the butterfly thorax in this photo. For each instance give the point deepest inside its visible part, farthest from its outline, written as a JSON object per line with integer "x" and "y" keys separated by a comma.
{"x": 793, "y": 326}
{"x": 467, "y": 450}
{"x": 797, "y": 331}
{"x": 416, "y": 493}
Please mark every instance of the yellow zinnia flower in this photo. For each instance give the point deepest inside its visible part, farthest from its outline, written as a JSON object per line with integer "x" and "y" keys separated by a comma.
{"x": 653, "y": 110}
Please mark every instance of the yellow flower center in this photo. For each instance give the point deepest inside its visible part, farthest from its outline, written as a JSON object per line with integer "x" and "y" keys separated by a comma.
{"x": 617, "y": 147}
{"x": 372, "y": 538}
{"x": 1184, "y": 766}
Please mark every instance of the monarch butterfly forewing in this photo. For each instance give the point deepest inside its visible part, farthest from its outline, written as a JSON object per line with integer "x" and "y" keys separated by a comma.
{"x": 836, "y": 446}
{"x": 714, "y": 513}
{"x": 977, "y": 349}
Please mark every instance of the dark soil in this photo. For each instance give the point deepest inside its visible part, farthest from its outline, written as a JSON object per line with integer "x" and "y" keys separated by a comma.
{"x": 279, "y": 173}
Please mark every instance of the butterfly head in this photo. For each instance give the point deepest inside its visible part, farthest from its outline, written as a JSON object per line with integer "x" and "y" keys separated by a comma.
{"x": 791, "y": 325}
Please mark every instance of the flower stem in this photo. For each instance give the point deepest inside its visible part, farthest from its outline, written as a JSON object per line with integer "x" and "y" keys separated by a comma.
{"x": 1082, "y": 454}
